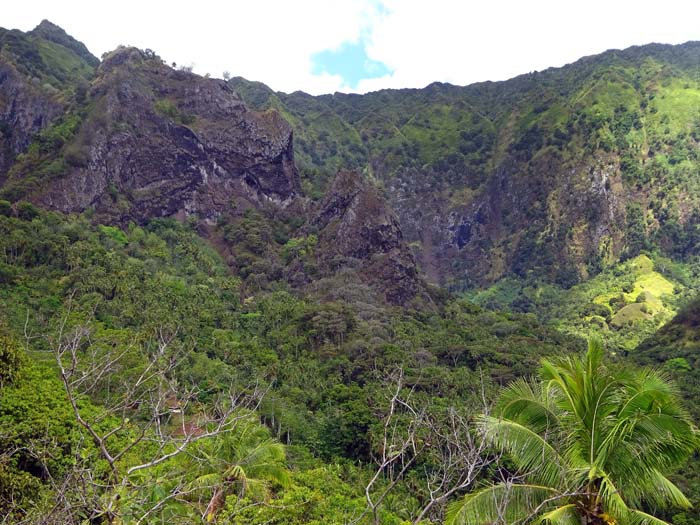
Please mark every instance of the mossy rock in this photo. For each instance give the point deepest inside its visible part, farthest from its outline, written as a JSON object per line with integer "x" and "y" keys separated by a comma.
{"x": 630, "y": 314}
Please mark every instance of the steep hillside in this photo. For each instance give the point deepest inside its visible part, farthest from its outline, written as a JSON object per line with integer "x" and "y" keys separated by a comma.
{"x": 43, "y": 73}
{"x": 141, "y": 140}
{"x": 623, "y": 305}
{"x": 212, "y": 296}
{"x": 556, "y": 174}
{"x": 151, "y": 141}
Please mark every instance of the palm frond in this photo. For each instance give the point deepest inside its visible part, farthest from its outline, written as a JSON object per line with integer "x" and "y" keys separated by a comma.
{"x": 504, "y": 504}
{"x": 206, "y": 481}
{"x": 637, "y": 517}
{"x": 663, "y": 493}
{"x": 528, "y": 404}
{"x": 594, "y": 356}
{"x": 611, "y": 499}
{"x": 607, "y": 433}
{"x": 564, "y": 515}
{"x": 533, "y": 455}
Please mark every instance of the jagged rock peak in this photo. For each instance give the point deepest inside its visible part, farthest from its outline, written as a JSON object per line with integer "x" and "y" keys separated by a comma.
{"x": 164, "y": 142}
{"x": 357, "y": 228}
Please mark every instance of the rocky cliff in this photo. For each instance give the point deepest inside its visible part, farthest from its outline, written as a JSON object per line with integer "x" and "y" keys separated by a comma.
{"x": 39, "y": 76}
{"x": 357, "y": 229}
{"x": 25, "y": 109}
{"x": 161, "y": 142}
{"x": 139, "y": 140}
{"x": 552, "y": 175}
{"x": 549, "y": 176}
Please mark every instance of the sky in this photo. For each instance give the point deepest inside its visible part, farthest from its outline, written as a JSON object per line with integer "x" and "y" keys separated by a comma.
{"x": 326, "y": 46}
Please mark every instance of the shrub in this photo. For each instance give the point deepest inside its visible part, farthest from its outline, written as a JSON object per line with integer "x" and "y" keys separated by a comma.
{"x": 75, "y": 156}
{"x": 26, "y": 210}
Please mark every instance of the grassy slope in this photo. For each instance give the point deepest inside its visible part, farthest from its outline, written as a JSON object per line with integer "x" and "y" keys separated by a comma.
{"x": 623, "y": 305}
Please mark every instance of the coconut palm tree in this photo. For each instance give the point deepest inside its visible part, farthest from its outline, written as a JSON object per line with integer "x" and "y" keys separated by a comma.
{"x": 245, "y": 462}
{"x": 590, "y": 443}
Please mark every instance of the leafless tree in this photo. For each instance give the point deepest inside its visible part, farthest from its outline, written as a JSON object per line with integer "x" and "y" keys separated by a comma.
{"x": 146, "y": 412}
{"x": 398, "y": 448}
{"x": 457, "y": 457}
{"x": 444, "y": 446}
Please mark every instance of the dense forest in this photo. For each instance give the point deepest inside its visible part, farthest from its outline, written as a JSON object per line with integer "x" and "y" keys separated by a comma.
{"x": 221, "y": 304}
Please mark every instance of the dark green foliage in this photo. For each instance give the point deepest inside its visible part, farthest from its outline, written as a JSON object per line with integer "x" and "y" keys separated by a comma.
{"x": 636, "y": 231}
{"x": 10, "y": 358}
{"x": 26, "y": 211}
{"x": 260, "y": 311}
{"x": 326, "y": 362}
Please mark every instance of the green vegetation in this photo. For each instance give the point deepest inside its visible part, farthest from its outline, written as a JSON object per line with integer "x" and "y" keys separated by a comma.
{"x": 591, "y": 444}
{"x": 597, "y": 159}
{"x": 227, "y": 370}
{"x": 53, "y": 61}
{"x": 625, "y": 304}
{"x": 121, "y": 294}
{"x": 42, "y": 162}
{"x": 304, "y": 448}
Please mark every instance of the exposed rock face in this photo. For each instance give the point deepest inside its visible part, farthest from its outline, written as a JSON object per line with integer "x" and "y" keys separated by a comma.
{"x": 145, "y": 140}
{"x": 533, "y": 177}
{"x": 42, "y": 73}
{"x": 358, "y": 229}
{"x": 161, "y": 142}
{"x": 25, "y": 109}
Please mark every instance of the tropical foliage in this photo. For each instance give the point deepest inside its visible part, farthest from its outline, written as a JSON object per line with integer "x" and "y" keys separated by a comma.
{"x": 590, "y": 443}
{"x": 125, "y": 348}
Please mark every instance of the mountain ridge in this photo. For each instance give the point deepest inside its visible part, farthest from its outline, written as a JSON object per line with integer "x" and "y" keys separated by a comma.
{"x": 578, "y": 154}
{"x": 596, "y": 129}
{"x": 169, "y": 250}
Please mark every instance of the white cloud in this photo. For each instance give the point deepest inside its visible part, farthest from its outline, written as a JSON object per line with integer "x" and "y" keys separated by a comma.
{"x": 421, "y": 42}
{"x": 471, "y": 41}
{"x": 270, "y": 41}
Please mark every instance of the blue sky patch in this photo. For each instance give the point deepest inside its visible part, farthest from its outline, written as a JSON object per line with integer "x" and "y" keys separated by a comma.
{"x": 350, "y": 61}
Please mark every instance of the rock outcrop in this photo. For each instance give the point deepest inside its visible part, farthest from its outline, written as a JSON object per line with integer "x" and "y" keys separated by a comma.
{"x": 25, "y": 109}
{"x": 357, "y": 229}
{"x": 132, "y": 139}
{"x": 162, "y": 142}
{"x": 540, "y": 177}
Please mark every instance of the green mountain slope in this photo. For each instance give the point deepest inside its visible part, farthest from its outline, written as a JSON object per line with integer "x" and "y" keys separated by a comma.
{"x": 556, "y": 174}
{"x": 270, "y": 249}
